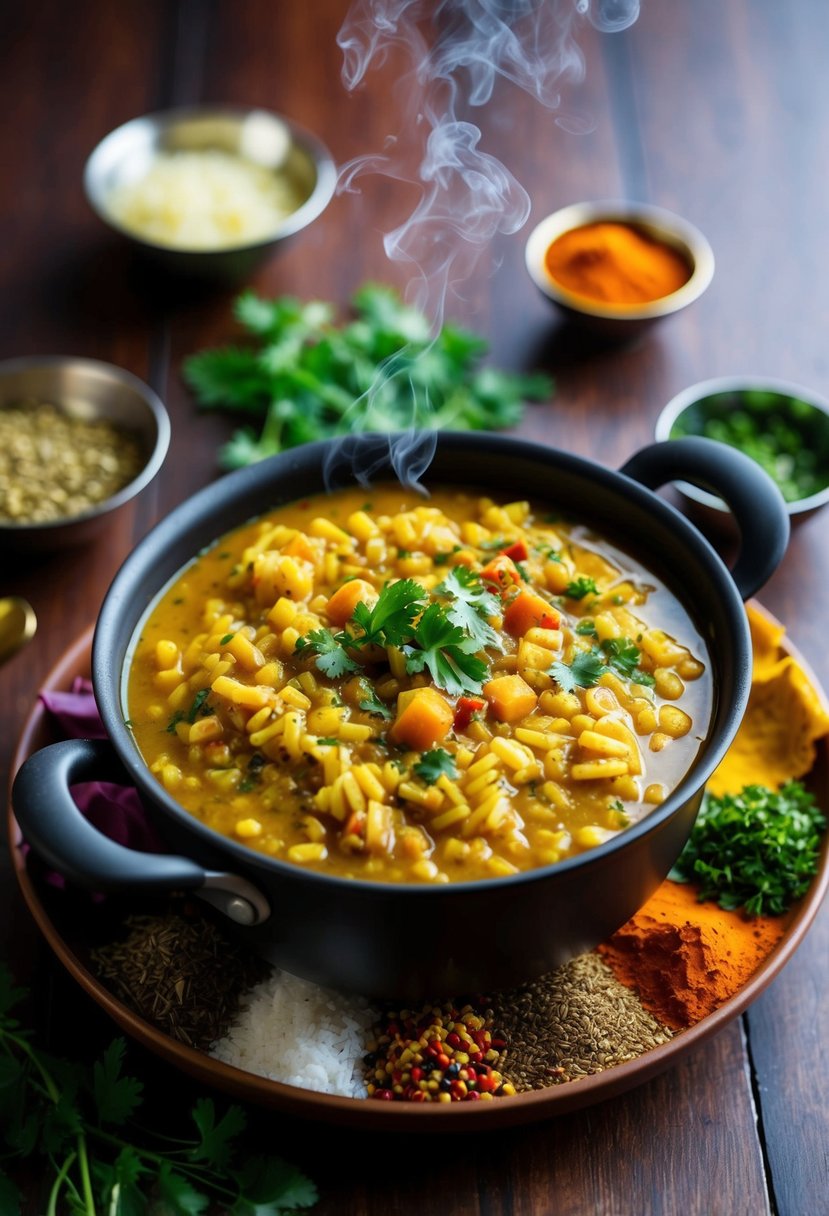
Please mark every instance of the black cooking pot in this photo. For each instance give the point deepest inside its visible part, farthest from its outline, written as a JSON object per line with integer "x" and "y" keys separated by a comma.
{"x": 411, "y": 941}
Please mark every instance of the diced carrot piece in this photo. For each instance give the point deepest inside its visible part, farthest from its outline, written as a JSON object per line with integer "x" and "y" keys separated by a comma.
{"x": 341, "y": 605}
{"x": 526, "y": 610}
{"x": 502, "y": 572}
{"x": 510, "y": 698}
{"x": 422, "y": 719}
{"x": 299, "y": 546}
{"x": 517, "y": 551}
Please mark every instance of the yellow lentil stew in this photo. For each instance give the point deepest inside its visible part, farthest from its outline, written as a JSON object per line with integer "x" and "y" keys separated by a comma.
{"x": 414, "y": 690}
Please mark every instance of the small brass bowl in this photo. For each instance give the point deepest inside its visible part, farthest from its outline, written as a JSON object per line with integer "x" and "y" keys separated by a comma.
{"x": 620, "y": 321}
{"x": 267, "y": 139}
{"x": 92, "y": 391}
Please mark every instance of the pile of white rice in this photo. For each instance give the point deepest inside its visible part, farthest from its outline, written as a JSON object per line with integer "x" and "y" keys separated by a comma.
{"x": 293, "y": 1031}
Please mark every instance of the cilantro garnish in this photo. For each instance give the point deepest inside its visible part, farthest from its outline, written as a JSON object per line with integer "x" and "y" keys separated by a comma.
{"x": 580, "y": 587}
{"x": 373, "y": 705}
{"x": 585, "y": 670}
{"x": 448, "y": 651}
{"x": 588, "y": 666}
{"x": 623, "y": 656}
{"x": 431, "y": 641}
{"x": 332, "y": 657}
{"x": 199, "y": 706}
{"x": 175, "y": 718}
{"x": 472, "y": 603}
{"x": 435, "y": 764}
{"x": 756, "y": 850}
{"x": 389, "y": 622}
{"x": 227, "y": 638}
{"x": 75, "y": 1125}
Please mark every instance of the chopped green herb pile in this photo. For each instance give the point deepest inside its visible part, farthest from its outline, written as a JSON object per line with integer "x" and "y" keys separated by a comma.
{"x": 756, "y": 850}
{"x": 787, "y": 437}
{"x": 78, "y": 1123}
{"x": 304, "y": 378}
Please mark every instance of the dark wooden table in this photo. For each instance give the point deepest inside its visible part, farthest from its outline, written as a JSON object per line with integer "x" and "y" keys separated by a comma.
{"x": 718, "y": 111}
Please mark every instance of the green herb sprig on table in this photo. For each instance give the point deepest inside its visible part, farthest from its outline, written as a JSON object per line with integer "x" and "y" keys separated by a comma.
{"x": 756, "y": 850}
{"x": 77, "y": 1124}
{"x": 304, "y": 378}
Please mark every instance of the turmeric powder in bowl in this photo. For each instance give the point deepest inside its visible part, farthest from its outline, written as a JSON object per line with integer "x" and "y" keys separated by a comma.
{"x": 617, "y": 267}
{"x": 616, "y": 263}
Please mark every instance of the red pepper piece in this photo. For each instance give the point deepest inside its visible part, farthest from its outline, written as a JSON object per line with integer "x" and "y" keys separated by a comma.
{"x": 517, "y": 551}
{"x": 465, "y": 707}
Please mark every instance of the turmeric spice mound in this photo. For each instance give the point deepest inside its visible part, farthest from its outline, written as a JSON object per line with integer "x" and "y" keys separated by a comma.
{"x": 785, "y": 717}
{"x": 685, "y": 958}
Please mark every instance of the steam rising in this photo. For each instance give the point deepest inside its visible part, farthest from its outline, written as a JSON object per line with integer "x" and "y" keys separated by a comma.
{"x": 456, "y": 50}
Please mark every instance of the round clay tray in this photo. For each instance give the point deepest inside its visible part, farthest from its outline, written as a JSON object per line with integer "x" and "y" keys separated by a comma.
{"x": 71, "y": 949}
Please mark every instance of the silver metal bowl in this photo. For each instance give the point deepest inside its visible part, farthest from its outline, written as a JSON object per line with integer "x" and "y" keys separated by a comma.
{"x": 620, "y": 321}
{"x": 268, "y": 139}
{"x": 91, "y": 390}
{"x": 810, "y": 419}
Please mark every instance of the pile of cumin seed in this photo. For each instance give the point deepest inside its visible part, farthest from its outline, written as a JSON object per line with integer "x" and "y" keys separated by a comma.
{"x": 180, "y": 973}
{"x": 571, "y": 1023}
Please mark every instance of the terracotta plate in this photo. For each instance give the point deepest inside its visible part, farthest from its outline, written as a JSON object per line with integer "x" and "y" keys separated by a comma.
{"x": 69, "y": 944}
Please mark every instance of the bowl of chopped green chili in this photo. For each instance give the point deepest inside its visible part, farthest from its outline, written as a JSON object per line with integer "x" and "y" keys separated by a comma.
{"x": 783, "y": 427}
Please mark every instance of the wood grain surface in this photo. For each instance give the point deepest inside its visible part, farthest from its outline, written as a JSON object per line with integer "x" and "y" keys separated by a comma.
{"x": 720, "y": 112}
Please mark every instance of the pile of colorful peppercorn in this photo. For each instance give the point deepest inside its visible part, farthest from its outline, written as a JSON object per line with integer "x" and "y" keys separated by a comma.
{"x": 441, "y": 1054}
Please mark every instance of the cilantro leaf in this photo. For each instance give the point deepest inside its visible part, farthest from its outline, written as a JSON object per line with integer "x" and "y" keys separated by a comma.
{"x": 472, "y": 603}
{"x": 756, "y": 850}
{"x": 584, "y": 672}
{"x": 434, "y": 764}
{"x": 373, "y": 705}
{"x": 580, "y": 587}
{"x": 216, "y": 1143}
{"x": 623, "y": 656}
{"x": 332, "y": 657}
{"x": 389, "y": 622}
{"x": 447, "y": 651}
{"x": 270, "y": 1186}
{"x": 116, "y": 1097}
{"x": 178, "y": 1195}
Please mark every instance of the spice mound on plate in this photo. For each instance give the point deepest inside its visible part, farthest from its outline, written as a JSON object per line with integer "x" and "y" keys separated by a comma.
{"x": 615, "y": 263}
{"x": 180, "y": 973}
{"x": 685, "y": 958}
{"x": 575, "y": 1021}
{"x": 443, "y": 1053}
{"x": 56, "y": 466}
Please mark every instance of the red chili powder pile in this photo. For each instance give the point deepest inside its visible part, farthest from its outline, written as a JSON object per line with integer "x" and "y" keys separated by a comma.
{"x": 685, "y": 958}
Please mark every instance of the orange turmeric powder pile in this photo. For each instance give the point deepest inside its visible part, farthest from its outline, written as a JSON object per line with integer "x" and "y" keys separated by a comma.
{"x": 685, "y": 958}
{"x": 614, "y": 263}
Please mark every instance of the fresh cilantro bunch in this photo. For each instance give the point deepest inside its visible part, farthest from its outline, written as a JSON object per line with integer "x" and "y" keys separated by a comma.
{"x": 756, "y": 850}
{"x": 588, "y": 666}
{"x": 303, "y": 377}
{"x": 445, "y": 639}
{"x": 78, "y": 1122}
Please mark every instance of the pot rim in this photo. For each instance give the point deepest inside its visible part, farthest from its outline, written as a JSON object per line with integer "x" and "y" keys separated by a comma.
{"x": 220, "y": 496}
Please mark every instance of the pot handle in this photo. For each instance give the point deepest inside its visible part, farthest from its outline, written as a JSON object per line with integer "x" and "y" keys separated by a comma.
{"x": 758, "y": 507}
{"x": 63, "y": 837}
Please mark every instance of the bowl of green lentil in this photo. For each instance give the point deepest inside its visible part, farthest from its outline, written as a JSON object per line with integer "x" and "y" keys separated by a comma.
{"x": 78, "y": 440}
{"x": 782, "y": 426}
